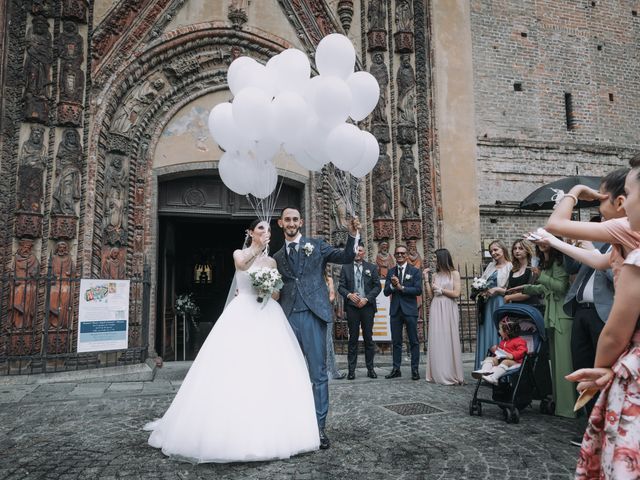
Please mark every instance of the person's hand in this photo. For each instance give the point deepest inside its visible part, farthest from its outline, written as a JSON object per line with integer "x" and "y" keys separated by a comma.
{"x": 492, "y": 291}
{"x": 507, "y": 298}
{"x": 395, "y": 281}
{"x": 589, "y": 378}
{"x": 582, "y": 192}
{"x": 362, "y": 302}
{"x": 262, "y": 239}
{"x": 540, "y": 237}
{"x": 437, "y": 291}
{"x": 426, "y": 272}
{"x": 354, "y": 226}
{"x": 513, "y": 290}
{"x": 354, "y": 297}
{"x": 535, "y": 271}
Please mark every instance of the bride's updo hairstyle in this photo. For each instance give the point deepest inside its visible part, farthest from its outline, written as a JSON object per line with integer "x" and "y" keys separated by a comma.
{"x": 247, "y": 237}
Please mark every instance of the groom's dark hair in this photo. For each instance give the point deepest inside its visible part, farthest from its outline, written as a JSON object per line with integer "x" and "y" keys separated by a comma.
{"x": 290, "y": 207}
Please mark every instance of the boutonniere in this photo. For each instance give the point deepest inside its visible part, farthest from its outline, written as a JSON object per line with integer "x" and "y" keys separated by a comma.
{"x": 308, "y": 249}
{"x": 407, "y": 277}
{"x": 367, "y": 272}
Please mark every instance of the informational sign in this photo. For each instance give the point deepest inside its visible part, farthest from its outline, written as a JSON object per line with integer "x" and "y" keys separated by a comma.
{"x": 381, "y": 323}
{"x": 103, "y": 316}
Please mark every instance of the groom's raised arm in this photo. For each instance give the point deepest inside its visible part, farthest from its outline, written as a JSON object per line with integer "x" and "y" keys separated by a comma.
{"x": 338, "y": 255}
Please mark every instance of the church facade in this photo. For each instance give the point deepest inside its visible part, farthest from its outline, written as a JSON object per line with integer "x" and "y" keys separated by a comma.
{"x": 108, "y": 170}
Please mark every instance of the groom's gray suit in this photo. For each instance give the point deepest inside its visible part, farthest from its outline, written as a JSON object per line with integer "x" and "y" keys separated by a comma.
{"x": 305, "y": 301}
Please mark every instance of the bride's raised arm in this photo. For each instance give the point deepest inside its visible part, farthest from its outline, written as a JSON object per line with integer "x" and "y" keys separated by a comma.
{"x": 244, "y": 258}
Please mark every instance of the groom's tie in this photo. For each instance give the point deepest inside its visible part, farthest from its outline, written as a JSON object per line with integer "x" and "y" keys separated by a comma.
{"x": 293, "y": 255}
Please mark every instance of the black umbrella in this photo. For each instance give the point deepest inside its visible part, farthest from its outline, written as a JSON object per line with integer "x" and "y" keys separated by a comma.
{"x": 544, "y": 197}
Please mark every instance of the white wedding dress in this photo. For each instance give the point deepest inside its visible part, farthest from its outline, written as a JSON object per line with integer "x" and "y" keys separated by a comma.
{"x": 247, "y": 396}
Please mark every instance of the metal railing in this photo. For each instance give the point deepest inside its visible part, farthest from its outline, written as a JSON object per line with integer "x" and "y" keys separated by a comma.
{"x": 39, "y": 324}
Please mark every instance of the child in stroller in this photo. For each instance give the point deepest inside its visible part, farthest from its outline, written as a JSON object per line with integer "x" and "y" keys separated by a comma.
{"x": 506, "y": 354}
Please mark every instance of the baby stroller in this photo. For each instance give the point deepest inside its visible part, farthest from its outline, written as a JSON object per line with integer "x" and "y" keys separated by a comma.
{"x": 517, "y": 387}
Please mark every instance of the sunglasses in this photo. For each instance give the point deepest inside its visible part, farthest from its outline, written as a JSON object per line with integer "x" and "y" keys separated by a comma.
{"x": 400, "y": 253}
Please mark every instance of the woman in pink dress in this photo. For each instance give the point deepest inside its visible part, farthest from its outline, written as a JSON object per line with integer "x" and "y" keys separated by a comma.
{"x": 611, "y": 444}
{"x": 444, "y": 354}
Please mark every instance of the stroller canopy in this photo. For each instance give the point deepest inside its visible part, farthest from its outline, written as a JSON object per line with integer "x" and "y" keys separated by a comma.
{"x": 521, "y": 311}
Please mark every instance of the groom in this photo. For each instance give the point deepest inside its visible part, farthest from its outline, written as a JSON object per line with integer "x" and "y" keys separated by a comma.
{"x": 305, "y": 299}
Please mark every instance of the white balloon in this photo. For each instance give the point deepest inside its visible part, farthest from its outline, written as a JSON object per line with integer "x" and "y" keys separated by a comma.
{"x": 313, "y": 140}
{"x": 252, "y": 74}
{"x": 331, "y": 101}
{"x": 365, "y": 93}
{"x": 252, "y": 112}
{"x": 345, "y": 145}
{"x": 369, "y": 156}
{"x": 266, "y": 148}
{"x": 265, "y": 179}
{"x": 308, "y": 162}
{"x": 335, "y": 55}
{"x": 236, "y": 173}
{"x": 235, "y": 78}
{"x": 222, "y": 126}
{"x": 292, "y": 71}
{"x": 290, "y": 112}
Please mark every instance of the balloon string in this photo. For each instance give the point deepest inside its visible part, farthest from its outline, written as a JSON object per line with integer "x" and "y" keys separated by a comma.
{"x": 264, "y": 208}
{"x": 341, "y": 186}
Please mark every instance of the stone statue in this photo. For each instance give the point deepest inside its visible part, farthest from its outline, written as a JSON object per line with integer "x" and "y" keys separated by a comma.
{"x": 338, "y": 212}
{"x": 139, "y": 98}
{"x": 377, "y": 14}
{"x": 68, "y": 166}
{"x": 409, "y": 184}
{"x": 113, "y": 266}
{"x": 23, "y": 295}
{"x": 413, "y": 257}
{"x": 38, "y": 60}
{"x": 71, "y": 52}
{"x": 379, "y": 71}
{"x": 381, "y": 180}
{"x": 384, "y": 260}
{"x": 41, "y": 7}
{"x": 114, "y": 200}
{"x": 404, "y": 16}
{"x": 62, "y": 269}
{"x": 32, "y": 163}
{"x": 76, "y": 9}
{"x": 406, "y": 81}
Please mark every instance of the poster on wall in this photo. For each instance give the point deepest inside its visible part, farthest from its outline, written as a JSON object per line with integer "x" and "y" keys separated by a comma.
{"x": 381, "y": 323}
{"x": 103, "y": 316}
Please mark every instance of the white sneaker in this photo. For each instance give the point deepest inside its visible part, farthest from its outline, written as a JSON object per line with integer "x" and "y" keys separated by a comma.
{"x": 477, "y": 374}
{"x": 491, "y": 379}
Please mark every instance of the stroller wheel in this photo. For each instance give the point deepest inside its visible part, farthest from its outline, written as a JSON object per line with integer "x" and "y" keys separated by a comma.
{"x": 515, "y": 416}
{"x": 544, "y": 406}
{"x": 475, "y": 408}
{"x": 551, "y": 407}
{"x": 507, "y": 415}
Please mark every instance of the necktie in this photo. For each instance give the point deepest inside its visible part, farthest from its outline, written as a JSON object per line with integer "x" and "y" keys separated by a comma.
{"x": 293, "y": 254}
{"x": 359, "y": 278}
{"x": 400, "y": 275}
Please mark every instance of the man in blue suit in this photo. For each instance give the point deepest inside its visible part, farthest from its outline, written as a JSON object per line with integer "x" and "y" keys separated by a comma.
{"x": 404, "y": 284}
{"x": 305, "y": 299}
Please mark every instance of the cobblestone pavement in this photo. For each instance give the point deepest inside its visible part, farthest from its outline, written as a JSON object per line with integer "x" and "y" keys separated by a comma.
{"x": 93, "y": 431}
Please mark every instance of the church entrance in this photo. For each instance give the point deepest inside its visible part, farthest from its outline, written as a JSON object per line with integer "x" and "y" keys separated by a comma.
{"x": 201, "y": 223}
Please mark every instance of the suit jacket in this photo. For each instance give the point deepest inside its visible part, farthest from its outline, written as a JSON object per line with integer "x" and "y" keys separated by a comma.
{"x": 371, "y": 282}
{"x": 405, "y": 301}
{"x": 308, "y": 280}
{"x": 602, "y": 286}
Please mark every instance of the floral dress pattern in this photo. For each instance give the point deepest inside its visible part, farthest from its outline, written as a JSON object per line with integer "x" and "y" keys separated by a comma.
{"x": 611, "y": 445}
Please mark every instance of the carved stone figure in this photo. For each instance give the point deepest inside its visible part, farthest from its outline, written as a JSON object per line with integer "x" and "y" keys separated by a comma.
{"x": 404, "y": 16}
{"x": 76, "y": 9}
{"x": 381, "y": 179}
{"x": 338, "y": 212}
{"x": 41, "y": 7}
{"x": 32, "y": 163}
{"x": 112, "y": 265}
{"x": 71, "y": 52}
{"x": 377, "y": 15}
{"x": 139, "y": 98}
{"x": 23, "y": 295}
{"x": 37, "y": 69}
{"x": 379, "y": 71}
{"x": 384, "y": 260}
{"x": 406, "y": 81}
{"x": 413, "y": 257}
{"x": 67, "y": 183}
{"x": 62, "y": 269}
{"x": 409, "y": 184}
{"x": 115, "y": 196}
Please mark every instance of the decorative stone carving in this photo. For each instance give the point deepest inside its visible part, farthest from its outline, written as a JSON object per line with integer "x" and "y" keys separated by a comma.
{"x": 113, "y": 264}
{"x": 404, "y": 16}
{"x": 345, "y": 12}
{"x": 377, "y": 15}
{"x": 403, "y": 42}
{"x": 115, "y": 195}
{"x": 66, "y": 190}
{"x": 41, "y": 7}
{"x": 75, "y": 10}
{"x": 376, "y": 40}
{"x": 406, "y": 81}
{"x": 411, "y": 229}
{"x": 238, "y": 13}
{"x": 37, "y": 70}
{"x": 71, "y": 81}
{"x": 135, "y": 104}
{"x": 63, "y": 227}
{"x": 379, "y": 71}
{"x": 23, "y": 294}
{"x": 32, "y": 163}
{"x": 409, "y": 196}
{"x": 382, "y": 190}
{"x": 28, "y": 225}
{"x": 384, "y": 260}
{"x": 413, "y": 257}
{"x": 118, "y": 143}
{"x": 138, "y": 241}
{"x": 62, "y": 269}
{"x": 383, "y": 229}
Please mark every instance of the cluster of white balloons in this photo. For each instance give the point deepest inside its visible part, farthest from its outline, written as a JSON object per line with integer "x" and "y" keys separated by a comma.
{"x": 279, "y": 106}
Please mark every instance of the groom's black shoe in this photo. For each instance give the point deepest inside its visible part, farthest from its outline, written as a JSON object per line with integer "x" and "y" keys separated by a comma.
{"x": 324, "y": 440}
{"x": 351, "y": 376}
{"x": 415, "y": 375}
{"x": 394, "y": 373}
{"x": 371, "y": 373}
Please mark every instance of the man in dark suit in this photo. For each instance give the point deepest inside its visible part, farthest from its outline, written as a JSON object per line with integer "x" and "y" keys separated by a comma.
{"x": 404, "y": 284}
{"x": 305, "y": 300}
{"x": 360, "y": 285}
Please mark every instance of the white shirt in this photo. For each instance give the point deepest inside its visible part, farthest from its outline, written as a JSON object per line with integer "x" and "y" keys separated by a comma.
{"x": 296, "y": 241}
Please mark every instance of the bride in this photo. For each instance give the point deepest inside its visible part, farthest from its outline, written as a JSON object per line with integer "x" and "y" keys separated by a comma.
{"x": 247, "y": 396}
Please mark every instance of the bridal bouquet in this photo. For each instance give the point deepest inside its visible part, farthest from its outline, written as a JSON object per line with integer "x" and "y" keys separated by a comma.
{"x": 478, "y": 286}
{"x": 266, "y": 281}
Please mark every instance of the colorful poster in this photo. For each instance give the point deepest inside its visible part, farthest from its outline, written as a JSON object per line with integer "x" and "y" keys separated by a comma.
{"x": 103, "y": 317}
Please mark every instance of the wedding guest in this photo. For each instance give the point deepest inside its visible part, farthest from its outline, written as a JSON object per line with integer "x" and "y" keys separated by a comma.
{"x": 496, "y": 275}
{"x": 332, "y": 368}
{"x": 521, "y": 273}
{"x": 444, "y": 353}
{"x": 360, "y": 286}
{"x": 404, "y": 285}
{"x": 611, "y": 444}
{"x": 553, "y": 284}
